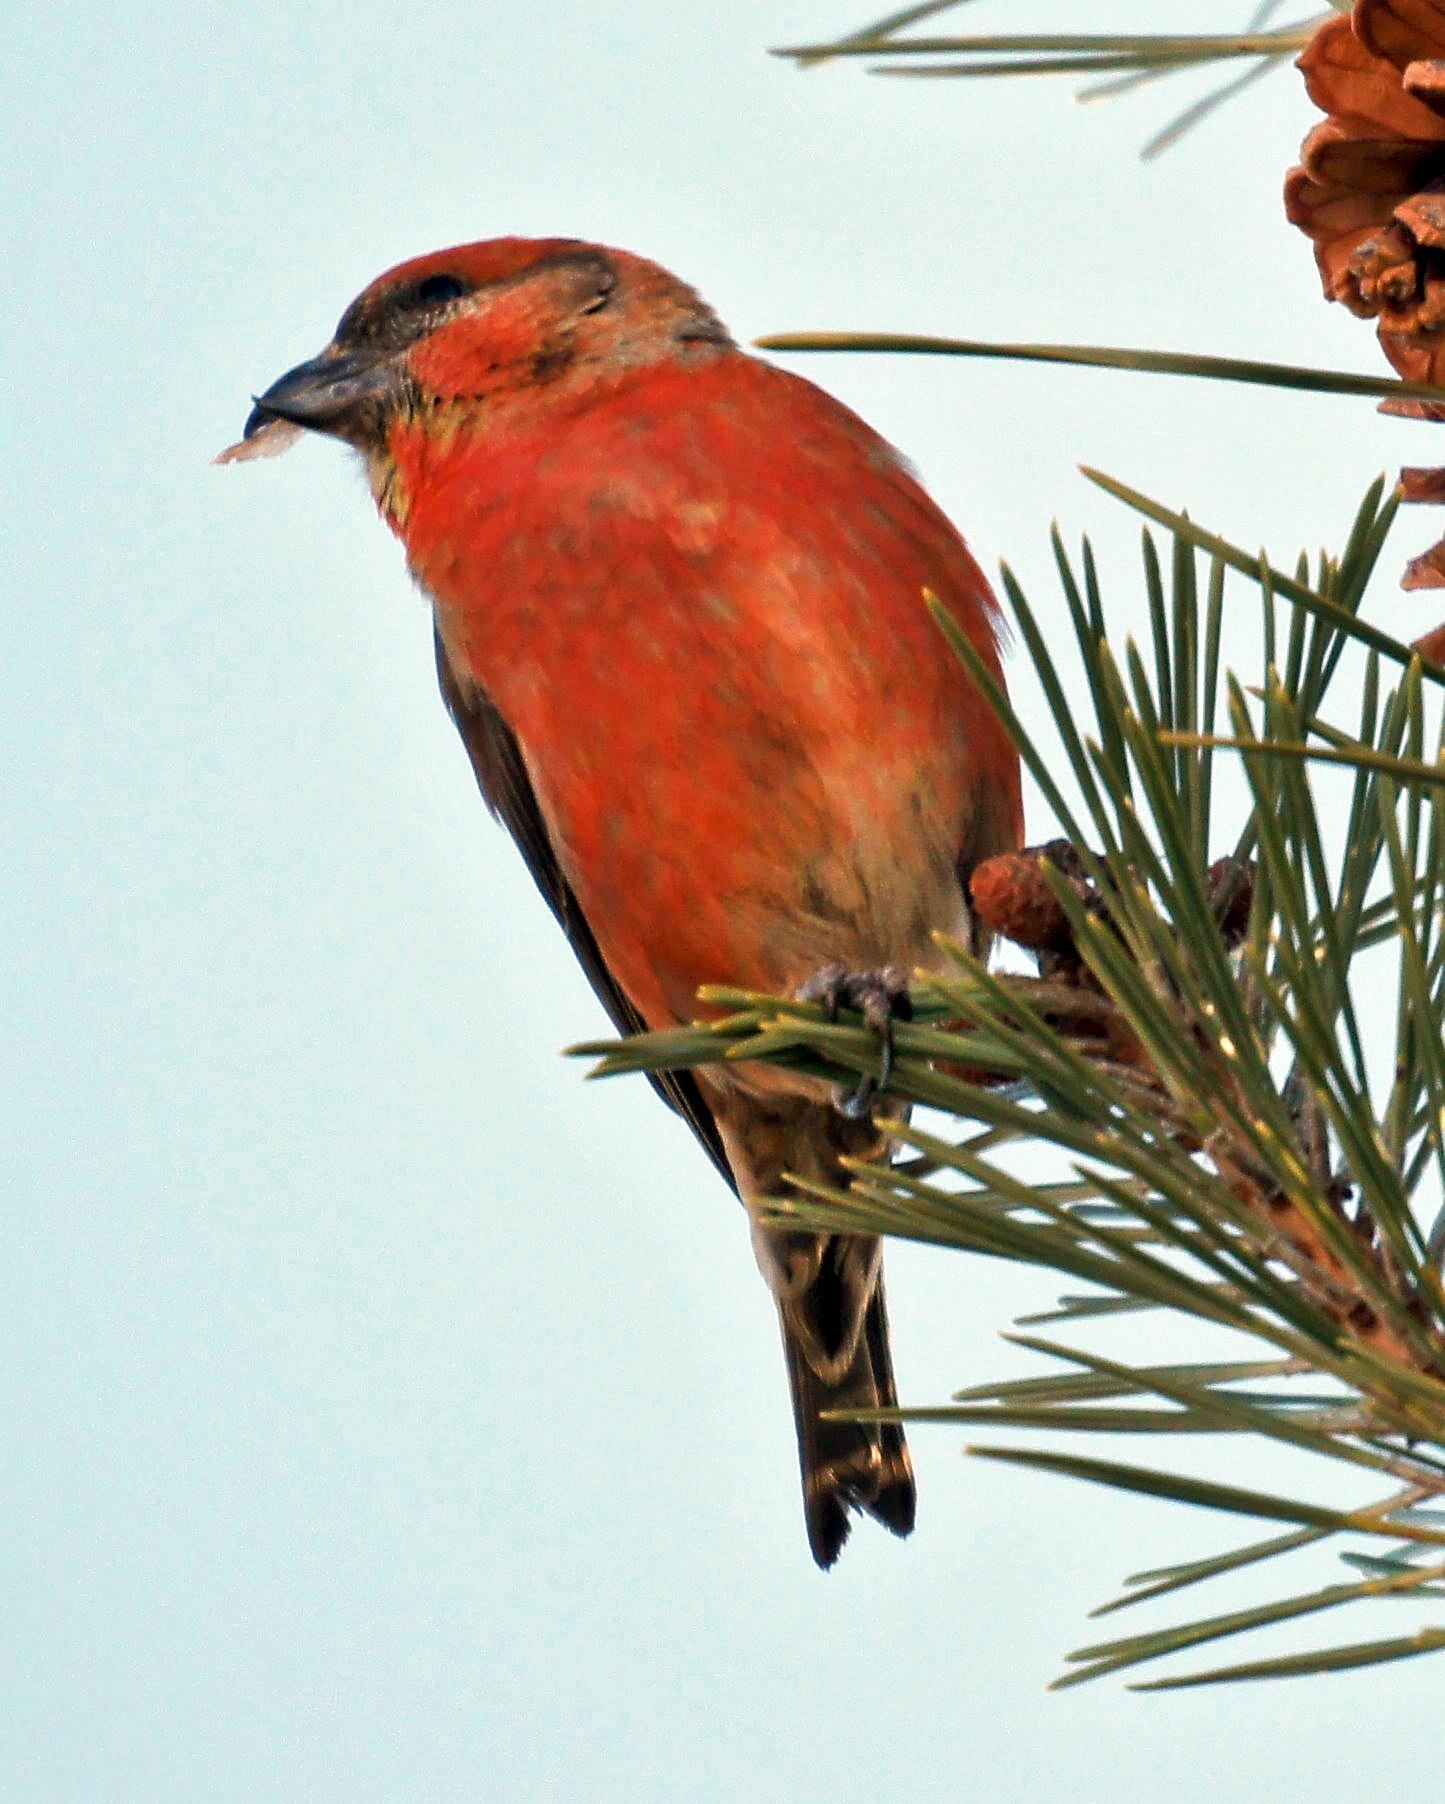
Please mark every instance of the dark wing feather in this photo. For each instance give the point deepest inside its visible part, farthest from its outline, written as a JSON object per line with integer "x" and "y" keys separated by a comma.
{"x": 502, "y": 778}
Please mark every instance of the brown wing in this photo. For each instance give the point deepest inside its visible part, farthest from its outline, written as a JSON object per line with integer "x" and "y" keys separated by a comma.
{"x": 507, "y": 790}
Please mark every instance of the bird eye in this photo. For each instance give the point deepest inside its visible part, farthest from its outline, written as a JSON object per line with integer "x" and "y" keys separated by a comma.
{"x": 434, "y": 291}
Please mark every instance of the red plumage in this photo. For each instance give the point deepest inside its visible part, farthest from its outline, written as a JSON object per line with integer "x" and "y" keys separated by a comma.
{"x": 679, "y": 610}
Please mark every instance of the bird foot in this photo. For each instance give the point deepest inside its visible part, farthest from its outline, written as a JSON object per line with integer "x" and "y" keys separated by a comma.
{"x": 881, "y": 998}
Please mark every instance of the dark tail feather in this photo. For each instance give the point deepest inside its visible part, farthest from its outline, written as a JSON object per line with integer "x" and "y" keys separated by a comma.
{"x": 849, "y": 1466}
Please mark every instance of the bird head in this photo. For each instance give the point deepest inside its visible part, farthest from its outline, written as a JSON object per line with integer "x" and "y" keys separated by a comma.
{"x": 479, "y": 327}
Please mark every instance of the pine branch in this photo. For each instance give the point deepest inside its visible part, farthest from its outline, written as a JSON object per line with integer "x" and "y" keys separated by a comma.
{"x": 1233, "y": 1142}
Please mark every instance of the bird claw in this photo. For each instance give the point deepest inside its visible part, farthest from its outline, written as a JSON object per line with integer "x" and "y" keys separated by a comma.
{"x": 881, "y": 998}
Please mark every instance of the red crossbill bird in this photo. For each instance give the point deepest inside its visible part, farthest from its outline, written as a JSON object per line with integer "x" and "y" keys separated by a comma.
{"x": 679, "y": 618}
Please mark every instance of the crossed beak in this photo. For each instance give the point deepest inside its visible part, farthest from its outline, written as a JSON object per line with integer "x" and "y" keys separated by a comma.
{"x": 339, "y": 392}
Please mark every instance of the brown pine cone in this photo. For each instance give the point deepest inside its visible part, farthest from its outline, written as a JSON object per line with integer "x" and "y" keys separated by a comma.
{"x": 1370, "y": 194}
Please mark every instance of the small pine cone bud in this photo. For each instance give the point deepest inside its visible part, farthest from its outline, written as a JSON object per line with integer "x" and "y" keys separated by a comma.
{"x": 1012, "y": 898}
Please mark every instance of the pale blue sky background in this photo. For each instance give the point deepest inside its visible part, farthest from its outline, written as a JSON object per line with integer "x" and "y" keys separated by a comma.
{"x": 387, "y": 1415}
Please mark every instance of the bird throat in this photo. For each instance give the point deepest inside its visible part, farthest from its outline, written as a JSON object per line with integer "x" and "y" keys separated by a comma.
{"x": 419, "y": 441}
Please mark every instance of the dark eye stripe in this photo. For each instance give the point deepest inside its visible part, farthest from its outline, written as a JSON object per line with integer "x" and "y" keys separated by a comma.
{"x": 397, "y": 313}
